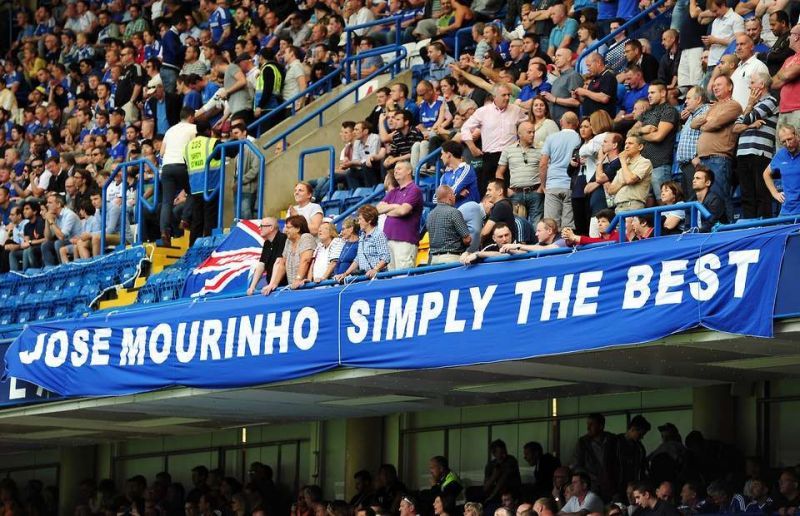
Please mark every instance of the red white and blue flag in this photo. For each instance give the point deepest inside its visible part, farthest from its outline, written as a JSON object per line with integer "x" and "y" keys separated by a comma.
{"x": 231, "y": 265}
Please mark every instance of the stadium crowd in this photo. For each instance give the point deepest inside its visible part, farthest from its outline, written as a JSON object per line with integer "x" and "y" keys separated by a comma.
{"x": 709, "y": 114}
{"x": 607, "y": 475}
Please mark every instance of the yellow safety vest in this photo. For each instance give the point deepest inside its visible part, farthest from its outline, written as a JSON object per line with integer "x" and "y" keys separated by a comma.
{"x": 195, "y": 155}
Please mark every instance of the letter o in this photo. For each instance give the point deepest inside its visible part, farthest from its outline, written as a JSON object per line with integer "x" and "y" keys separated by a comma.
{"x": 306, "y": 342}
{"x": 58, "y": 338}
{"x": 162, "y": 331}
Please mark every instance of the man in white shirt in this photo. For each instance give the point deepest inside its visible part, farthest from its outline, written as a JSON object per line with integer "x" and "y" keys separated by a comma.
{"x": 583, "y": 501}
{"x": 367, "y": 153}
{"x": 361, "y": 14}
{"x": 725, "y": 25}
{"x": 174, "y": 174}
{"x": 749, "y": 67}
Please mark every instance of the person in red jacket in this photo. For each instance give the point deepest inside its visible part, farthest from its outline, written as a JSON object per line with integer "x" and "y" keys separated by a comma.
{"x": 604, "y": 218}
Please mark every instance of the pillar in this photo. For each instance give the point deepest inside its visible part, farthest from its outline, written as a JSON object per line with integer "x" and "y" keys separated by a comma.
{"x": 363, "y": 449}
{"x": 76, "y": 463}
{"x": 713, "y": 413}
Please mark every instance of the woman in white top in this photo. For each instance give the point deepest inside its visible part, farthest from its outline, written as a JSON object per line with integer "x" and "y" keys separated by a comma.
{"x": 543, "y": 126}
{"x": 326, "y": 255}
{"x": 593, "y": 131}
{"x": 303, "y": 194}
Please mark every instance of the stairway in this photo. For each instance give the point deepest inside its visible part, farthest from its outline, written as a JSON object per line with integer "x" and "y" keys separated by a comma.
{"x": 160, "y": 258}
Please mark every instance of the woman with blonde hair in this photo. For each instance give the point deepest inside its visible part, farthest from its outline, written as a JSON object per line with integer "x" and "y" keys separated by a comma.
{"x": 326, "y": 255}
{"x": 593, "y": 131}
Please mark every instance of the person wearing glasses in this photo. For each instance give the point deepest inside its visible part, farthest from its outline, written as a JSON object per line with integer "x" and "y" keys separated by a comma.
{"x": 517, "y": 160}
{"x": 130, "y": 86}
{"x": 271, "y": 253}
{"x": 38, "y": 180}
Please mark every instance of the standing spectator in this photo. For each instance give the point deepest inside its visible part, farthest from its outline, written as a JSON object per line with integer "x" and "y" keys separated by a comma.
{"x": 311, "y": 211}
{"x": 447, "y": 229}
{"x": 366, "y": 153}
{"x": 274, "y": 242}
{"x": 780, "y": 50}
{"x": 595, "y": 452}
{"x": 250, "y": 171}
{"x": 785, "y": 161}
{"x": 403, "y": 209}
{"x": 632, "y": 183}
{"x": 372, "y": 257}
{"x": 659, "y": 127}
{"x": 695, "y": 106}
{"x": 61, "y": 224}
{"x": 459, "y": 175}
{"x": 220, "y": 22}
{"x": 564, "y": 32}
{"x": 725, "y": 26}
{"x": 439, "y": 66}
{"x": 130, "y": 85}
{"x": 172, "y": 53}
{"x": 297, "y": 255}
{"x": 635, "y": 55}
{"x": 787, "y": 81}
{"x": 543, "y": 464}
{"x": 240, "y": 101}
{"x": 163, "y": 108}
{"x": 294, "y": 80}
{"x": 554, "y": 171}
{"x": 567, "y": 81}
{"x": 601, "y": 92}
{"x": 630, "y": 450}
{"x": 174, "y": 174}
{"x": 524, "y": 178}
{"x": 749, "y": 67}
{"x": 717, "y": 140}
{"x": 702, "y": 184}
{"x": 756, "y": 129}
{"x": 498, "y": 123}
{"x": 670, "y": 61}
{"x": 500, "y": 210}
{"x": 360, "y": 14}
{"x": 501, "y": 474}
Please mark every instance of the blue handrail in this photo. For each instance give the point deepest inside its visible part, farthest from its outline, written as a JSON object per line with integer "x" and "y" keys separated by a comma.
{"x": 317, "y": 112}
{"x": 208, "y": 194}
{"x": 697, "y": 211}
{"x": 256, "y": 125}
{"x": 354, "y": 208}
{"x": 395, "y": 20}
{"x": 610, "y": 37}
{"x": 141, "y": 202}
{"x": 459, "y": 33}
{"x": 432, "y": 156}
{"x": 758, "y": 223}
{"x": 301, "y": 164}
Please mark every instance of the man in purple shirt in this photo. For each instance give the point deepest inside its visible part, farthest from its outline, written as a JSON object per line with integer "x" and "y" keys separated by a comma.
{"x": 403, "y": 209}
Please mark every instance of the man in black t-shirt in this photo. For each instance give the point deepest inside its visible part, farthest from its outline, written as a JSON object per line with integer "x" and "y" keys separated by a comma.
{"x": 274, "y": 242}
{"x": 601, "y": 92}
{"x": 501, "y": 211}
{"x": 659, "y": 127}
{"x": 130, "y": 85}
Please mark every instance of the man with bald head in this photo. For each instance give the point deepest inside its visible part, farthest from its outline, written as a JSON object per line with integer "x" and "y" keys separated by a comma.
{"x": 553, "y": 177}
{"x": 447, "y": 230}
{"x": 560, "y": 95}
{"x": 274, "y": 242}
{"x": 749, "y": 67}
{"x": 601, "y": 92}
{"x": 518, "y": 163}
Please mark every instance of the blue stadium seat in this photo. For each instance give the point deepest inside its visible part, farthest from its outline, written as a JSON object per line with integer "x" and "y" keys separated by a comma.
{"x": 60, "y": 311}
{"x": 6, "y": 317}
{"x": 358, "y": 195}
{"x": 337, "y": 201}
{"x": 146, "y": 297}
{"x": 23, "y": 317}
{"x": 42, "y": 313}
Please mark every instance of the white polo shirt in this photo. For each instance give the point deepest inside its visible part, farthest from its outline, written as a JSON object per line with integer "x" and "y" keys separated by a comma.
{"x": 724, "y": 27}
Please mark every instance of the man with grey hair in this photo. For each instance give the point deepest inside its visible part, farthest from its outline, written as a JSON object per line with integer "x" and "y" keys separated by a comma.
{"x": 696, "y": 105}
{"x": 756, "y": 129}
{"x": 749, "y": 65}
{"x": 447, "y": 230}
{"x": 403, "y": 209}
{"x": 786, "y": 161}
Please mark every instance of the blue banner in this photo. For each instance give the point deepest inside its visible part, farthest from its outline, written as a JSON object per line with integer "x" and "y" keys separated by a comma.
{"x": 594, "y": 298}
{"x": 14, "y": 391}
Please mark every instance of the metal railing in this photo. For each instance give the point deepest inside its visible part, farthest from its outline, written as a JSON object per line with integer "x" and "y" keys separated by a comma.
{"x": 396, "y": 21}
{"x": 301, "y": 164}
{"x": 349, "y": 90}
{"x": 758, "y": 223}
{"x": 609, "y": 38}
{"x": 696, "y": 212}
{"x": 354, "y": 208}
{"x": 208, "y": 194}
{"x": 141, "y": 202}
{"x": 431, "y": 156}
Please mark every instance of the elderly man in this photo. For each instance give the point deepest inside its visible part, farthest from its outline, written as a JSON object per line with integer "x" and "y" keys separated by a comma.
{"x": 497, "y": 123}
{"x": 601, "y": 92}
{"x": 756, "y": 129}
{"x": 274, "y": 242}
{"x": 447, "y": 229}
{"x": 403, "y": 209}
{"x": 749, "y": 66}
{"x": 717, "y": 140}
{"x": 553, "y": 171}
{"x": 524, "y": 175}
{"x": 786, "y": 162}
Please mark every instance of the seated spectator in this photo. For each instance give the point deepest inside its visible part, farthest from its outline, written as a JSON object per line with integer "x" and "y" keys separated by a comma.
{"x": 61, "y": 224}
{"x": 403, "y": 209}
{"x": 311, "y": 211}
{"x": 29, "y": 253}
{"x": 631, "y": 184}
{"x": 788, "y": 498}
{"x": 760, "y": 502}
{"x": 547, "y": 235}
{"x": 447, "y": 230}
{"x": 80, "y": 245}
{"x": 640, "y": 227}
{"x": 723, "y": 500}
{"x": 326, "y": 255}
{"x": 501, "y": 210}
{"x": 433, "y": 114}
{"x": 582, "y": 501}
{"x": 271, "y": 253}
{"x": 702, "y": 183}
{"x": 349, "y": 251}
{"x": 501, "y": 235}
{"x": 604, "y": 218}
{"x": 15, "y": 235}
{"x": 535, "y": 84}
{"x": 459, "y": 175}
{"x": 785, "y": 163}
{"x": 367, "y": 65}
{"x": 373, "y": 254}
{"x": 297, "y": 255}
{"x": 439, "y": 64}
{"x": 545, "y": 507}
{"x": 398, "y": 100}
{"x": 367, "y": 154}
{"x": 649, "y": 503}
{"x": 672, "y": 222}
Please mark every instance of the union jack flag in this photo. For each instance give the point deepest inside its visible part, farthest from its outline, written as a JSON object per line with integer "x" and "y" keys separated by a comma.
{"x": 231, "y": 265}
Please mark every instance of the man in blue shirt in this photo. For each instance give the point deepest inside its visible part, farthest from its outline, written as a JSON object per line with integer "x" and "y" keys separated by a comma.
{"x": 787, "y": 163}
{"x": 459, "y": 175}
{"x": 61, "y": 224}
{"x": 220, "y": 22}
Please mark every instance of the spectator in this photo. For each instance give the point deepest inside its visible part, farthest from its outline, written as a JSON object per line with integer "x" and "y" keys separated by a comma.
{"x": 363, "y": 477}
{"x": 271, "y": 253}
{"x": 564, "y": 32}
{"x": 369, "y": 64}
{"x": 787, "y": 81}
{"x": 372, "y": 257}
{"x": 749, "y": 67}
{"x": 635, "y": 90}
{"x": 691, "y": 502}
{"x": 29, "y": 253}
{"x": 547, "y": 235}
{"x": 761, "y": 502}
{"x": 311, "y": 211}
{"x": 401, "y": 139}
{"x": 346, "y": 258}
{"x": 497, "y": 123}
{"x": 250, "y": 172}
{"x": 501, "y": 474}
{"x": 474, "y": 214}
{"x": 294, "y": 80}
{"x": 61, "y": 224}
{"x": 601, "y": 91}
{"x": 789, "y": 494}
{"x": 640, "y": 227}
{"x": 631, "y": 185}
{"x": 367, "y": 153}
{"x": 500, "y": 210}
{"x": 536, "y": 84}
{"x": 173, "y": 52}
{"x": 560, "y": 97}
{"x": 696, "y": 105}
{"x": 174, "y": 174}
{"x": 459, "y": 175}
{"x": 545, "y": 507}
{"x": 784, "y": 162}
{"x": 297, "y": 255}
{"x": 433, "y": 113}
{"x": 756, "y": 129}
{"x": 398, "y": 93}
{"x": 635, "y": 55}
{"x": 717, "y": 140}
{"x": 587, "y": 38}
{"x": 650, "y": 504}
{"x": 15, "y": 235}
{"x": 583, "y": 501}
{"x": 553, "y": 170}
{"x": 780, "y": 51}
{"x": 593, "y": 131}
{"x": 162, "y": 108}
{"x": 658, "y": 127}
{"x": 439, "y": 65}
{"x": 448, "y": 232}
{"x": 702, "y": 183}
{"x": 326, "y": 255}
{"x": 361, "y": 15}
{"x": 670, "y": 61}
{"x": 235, "y": 88}
{"x": 671, "y": 221}
{"x": 604, "y": 218}
{"x": 403, "y": 209}
{"x": 726, "y": 23}
{"x": 523, "y": 173}
{"x": 543, "y": 464}
{"x": 724, "y": 500}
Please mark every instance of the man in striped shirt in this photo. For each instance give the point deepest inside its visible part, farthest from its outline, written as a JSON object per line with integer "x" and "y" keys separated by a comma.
{"x": 756, "y": 146}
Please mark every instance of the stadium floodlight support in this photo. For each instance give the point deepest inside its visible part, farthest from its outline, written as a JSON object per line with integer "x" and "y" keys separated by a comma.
{"x": 208, "y": 193}
{"x": 352, "y": 88}
{"x": 622, "y": 28}
{"x": 141, "y": 202}
{"x": 696, "y": 212}
{"x": 301, "y": 164}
